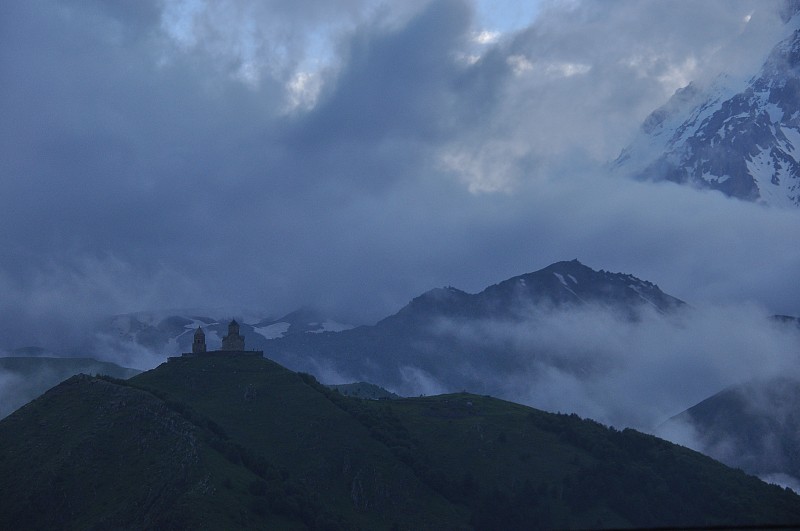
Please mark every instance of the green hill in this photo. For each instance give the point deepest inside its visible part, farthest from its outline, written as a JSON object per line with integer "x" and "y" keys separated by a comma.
{"x": 24, "y": 377}
{"x": 241, "y": 442}
{"x": 364, "y": 390}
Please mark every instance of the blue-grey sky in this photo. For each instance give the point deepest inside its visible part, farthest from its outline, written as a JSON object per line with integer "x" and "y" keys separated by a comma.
{"x": 353, "y": 153}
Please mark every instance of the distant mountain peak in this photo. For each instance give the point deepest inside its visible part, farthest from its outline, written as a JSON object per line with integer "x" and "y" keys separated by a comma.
{"x": 573, "y": 283}
{"x": 567, "y": 264}
{"x": 440, "y": 295}
{"x": 565, "y": 283}
{"x": 437, "y": 300}
{"x": 740, "y": 137}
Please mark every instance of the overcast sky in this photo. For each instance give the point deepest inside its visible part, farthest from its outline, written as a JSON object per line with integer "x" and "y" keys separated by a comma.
{"x": 352, "y": 154}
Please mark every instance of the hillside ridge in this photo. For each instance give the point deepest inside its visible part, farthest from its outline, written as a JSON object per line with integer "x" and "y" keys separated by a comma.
{"x": 242, "y": 442}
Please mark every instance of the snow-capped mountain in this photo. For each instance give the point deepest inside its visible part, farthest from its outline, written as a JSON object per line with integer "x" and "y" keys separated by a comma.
{"x": 741, "y": 137}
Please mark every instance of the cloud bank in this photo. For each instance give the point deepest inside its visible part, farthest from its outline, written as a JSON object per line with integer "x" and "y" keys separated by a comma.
{"x": 352, "y": 154}
{"x": 630, "y": 373}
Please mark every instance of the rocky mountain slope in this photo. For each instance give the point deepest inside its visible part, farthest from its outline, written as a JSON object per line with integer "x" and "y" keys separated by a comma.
{"x": 754, "y": 426}
{"x": 239, "y": 442}
{"x": 466, "y": 341}
{"x": 739, "y": 137}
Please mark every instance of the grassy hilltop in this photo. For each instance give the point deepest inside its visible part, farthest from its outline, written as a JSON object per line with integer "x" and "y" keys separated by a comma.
{"x": 241, "y": 442}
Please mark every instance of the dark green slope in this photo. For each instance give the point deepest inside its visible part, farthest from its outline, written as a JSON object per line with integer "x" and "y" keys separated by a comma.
{"x": 31, "y": 367}
{"x": 94, "y": 454}
{"x": 26, "y": 377}
{"x": 290, "y": 421}
{"x": 364, "y": 390}
{"x": 514, "y": 465}
{"x": 501, "y": 461}
{"x": 241, "y": 442}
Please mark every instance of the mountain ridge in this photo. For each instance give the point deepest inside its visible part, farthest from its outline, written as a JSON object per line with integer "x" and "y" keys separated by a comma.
{"x": 437, "y": 335}
{"x": 555, "y": 284}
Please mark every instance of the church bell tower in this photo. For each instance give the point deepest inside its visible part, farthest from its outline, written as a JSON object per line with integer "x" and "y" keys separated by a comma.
{"x": 199, "y": 341}
{"x": 233, "y": 341}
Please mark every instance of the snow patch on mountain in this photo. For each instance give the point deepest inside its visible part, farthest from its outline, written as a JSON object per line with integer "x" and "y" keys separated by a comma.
{"x": 195, "y": 323}
{"x": 639, "y": 291}
{"x": 330, "y": 326}
{"x": 282, "y": 328}
{"x": 563, "y": 282}
{"x": 272, "y": 331}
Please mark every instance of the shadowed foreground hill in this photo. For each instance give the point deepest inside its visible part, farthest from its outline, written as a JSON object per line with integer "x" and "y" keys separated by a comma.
{"x": 23, "y": 378}
{"x": 241, "y": 442}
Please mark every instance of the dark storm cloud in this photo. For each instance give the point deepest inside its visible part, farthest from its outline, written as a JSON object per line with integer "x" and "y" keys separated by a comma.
{"x": 153, "y": 158}
{"x": 396, "y": 84}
